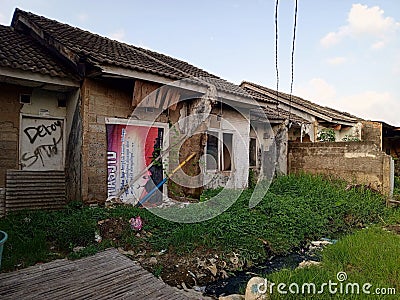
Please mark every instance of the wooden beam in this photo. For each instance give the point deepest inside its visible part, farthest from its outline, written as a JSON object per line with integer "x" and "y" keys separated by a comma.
{"x": 38, "y": 78}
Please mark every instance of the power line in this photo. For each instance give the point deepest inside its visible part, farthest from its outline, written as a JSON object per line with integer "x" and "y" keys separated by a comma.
{"x": 292, "y": 64}
{"x": 276, "y": 52}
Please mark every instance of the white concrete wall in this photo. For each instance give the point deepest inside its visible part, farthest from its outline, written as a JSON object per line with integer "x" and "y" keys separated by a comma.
{"x": 45, "y": 100}
{"x": 238, "y": 124}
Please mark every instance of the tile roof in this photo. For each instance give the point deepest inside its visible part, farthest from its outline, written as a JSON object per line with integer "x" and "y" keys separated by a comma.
{"x": 18, "y": 51}
{"x": 106, "y": 52}
{"x": 278, "y": 114}
{"x": 268, "y": 95}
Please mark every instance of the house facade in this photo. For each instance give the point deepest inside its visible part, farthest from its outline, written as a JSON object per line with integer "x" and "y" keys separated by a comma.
{"x": 115, "y": 108}
{"x": 307, "y": 118}
{"x": 88, "y": 118}
{"x": 37, "y": 94}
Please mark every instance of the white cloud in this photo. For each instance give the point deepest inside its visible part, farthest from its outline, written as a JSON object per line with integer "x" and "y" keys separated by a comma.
{"x": 378, "y": 45}
{"x": 370, "y": 105}
{"x": 381, "y": 106}
{"x": 363, "y": 21}
{"x": 333, "y": 38}
{"x": 118, "y": 35}
{"x": 317, "y": 90}
{"x": 336, "y": 60}
{"x": 83, "y": 17}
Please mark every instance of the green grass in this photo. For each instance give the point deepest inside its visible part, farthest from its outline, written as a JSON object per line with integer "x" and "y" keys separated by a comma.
{"x": 396, "y": 191}
{"x": 367, "y": 256}
{"x": 295, "y": 209}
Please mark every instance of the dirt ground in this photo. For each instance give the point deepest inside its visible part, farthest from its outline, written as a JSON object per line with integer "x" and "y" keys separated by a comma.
{"x": 183, "y": 270}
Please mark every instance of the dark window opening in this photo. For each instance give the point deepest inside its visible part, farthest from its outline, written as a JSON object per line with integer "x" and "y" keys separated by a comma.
{"x": 25, "y": 99}
{"x": 227, "y": 151}
{"x": 212, "y": 151}
{"x": 253, "y": 152}
{"x": 62, "y": 102}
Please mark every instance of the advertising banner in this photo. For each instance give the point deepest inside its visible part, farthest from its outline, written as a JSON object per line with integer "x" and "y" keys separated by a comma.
{"x": 130, "y": 149}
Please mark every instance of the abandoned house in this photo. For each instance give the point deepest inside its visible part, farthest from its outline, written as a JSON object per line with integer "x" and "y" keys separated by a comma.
{"x": 88, "y": 114}
{"x": 37, "y": 93}
{"x": 87, "y": 118}
{"x": 362, "y": 151}
{"x": 307, "y": 118}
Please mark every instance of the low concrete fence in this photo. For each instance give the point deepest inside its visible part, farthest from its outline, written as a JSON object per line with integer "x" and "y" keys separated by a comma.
{"x": 355, "y": 162}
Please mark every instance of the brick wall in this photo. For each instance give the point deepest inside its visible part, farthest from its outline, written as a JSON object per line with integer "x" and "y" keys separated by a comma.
{"x": 358, "y": 162}
{"x": 9, "y": 127}
{"x": 100, "y": 99}
{"x": 371, "y": 132}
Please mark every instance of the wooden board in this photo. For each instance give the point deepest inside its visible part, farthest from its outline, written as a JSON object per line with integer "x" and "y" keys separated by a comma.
{"x": 106, "y": 275}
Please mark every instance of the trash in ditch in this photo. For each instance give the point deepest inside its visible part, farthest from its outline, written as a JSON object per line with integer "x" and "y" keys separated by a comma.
{"x": 329, "y": 240}
{"x": 97, "y": 237}
{"x": 136, "y": 223}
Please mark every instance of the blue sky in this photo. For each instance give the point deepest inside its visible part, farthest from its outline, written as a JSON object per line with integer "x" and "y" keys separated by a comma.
{"x": 347, "y": 52}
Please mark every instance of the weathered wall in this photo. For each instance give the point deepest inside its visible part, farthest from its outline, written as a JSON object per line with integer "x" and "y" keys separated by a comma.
{"x": 281, "y": 144}
{"x": 9, "y": 127}
{"x": 397, "y": 167}
{"x": 359, "y": 162}
{"x": 100, "y": 99}
{"x": 372, "y": 132}
{"x": 73, "y": 163}
{"x": 45, "y": 100}
{"x": 187, "y": 182}
{"x": 236, "y": 123}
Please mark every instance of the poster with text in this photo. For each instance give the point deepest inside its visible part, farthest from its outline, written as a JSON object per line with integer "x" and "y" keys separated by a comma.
{"x": 130, "y": 150}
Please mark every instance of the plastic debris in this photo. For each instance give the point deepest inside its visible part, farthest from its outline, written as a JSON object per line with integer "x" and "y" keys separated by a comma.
{"x": 329, "y": 240}
{"x": 97, "y": 237}
{"x": 136, "y": 223}
{"x": 78, "y": 249}
{"x": 200, "y": 289}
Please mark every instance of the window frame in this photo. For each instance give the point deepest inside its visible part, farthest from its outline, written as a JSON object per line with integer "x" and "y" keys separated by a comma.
{"x": 219, "y": 133}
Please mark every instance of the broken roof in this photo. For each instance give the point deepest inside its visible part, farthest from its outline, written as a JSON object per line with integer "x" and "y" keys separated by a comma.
{"x": 21, "y": 52}
{"x": 79, "y": 45}
{"x": 265, "y": 94}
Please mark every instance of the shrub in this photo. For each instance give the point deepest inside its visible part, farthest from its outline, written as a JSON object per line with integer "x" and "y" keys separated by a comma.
{"x": 326, "y": 135}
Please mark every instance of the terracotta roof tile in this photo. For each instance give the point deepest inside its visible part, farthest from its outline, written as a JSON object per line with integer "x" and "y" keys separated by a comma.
{"x": 18, "y": 51}
{"x": 104, "y": 51}
{"x": 268, "y": 95}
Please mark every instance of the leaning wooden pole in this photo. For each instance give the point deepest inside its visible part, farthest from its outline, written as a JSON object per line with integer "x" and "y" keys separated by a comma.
{"x": 145, "y": 198}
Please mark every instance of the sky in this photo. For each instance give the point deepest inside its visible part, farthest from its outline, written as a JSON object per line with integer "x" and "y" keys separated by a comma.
{"x": 347, "y": 53}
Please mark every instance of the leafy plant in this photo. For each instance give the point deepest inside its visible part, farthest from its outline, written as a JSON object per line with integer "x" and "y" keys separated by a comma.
{"x": 396, "y": 191}
{"x": 295, "y": 209}
{"x": 350, "y": 138}
{"x": 326, "y": 135}
{"x": 252, "y": 179}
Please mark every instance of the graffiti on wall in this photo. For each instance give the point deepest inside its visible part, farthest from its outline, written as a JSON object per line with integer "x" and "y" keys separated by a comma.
{"x": 130, "y": 149}
{"x": 42, "y": 144}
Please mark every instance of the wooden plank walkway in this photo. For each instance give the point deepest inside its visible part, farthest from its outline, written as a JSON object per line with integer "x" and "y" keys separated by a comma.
{"x": 106, "y": 275}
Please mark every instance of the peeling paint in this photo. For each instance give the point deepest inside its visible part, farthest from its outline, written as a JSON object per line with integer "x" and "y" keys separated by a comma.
{"x": 357, "y": 155}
